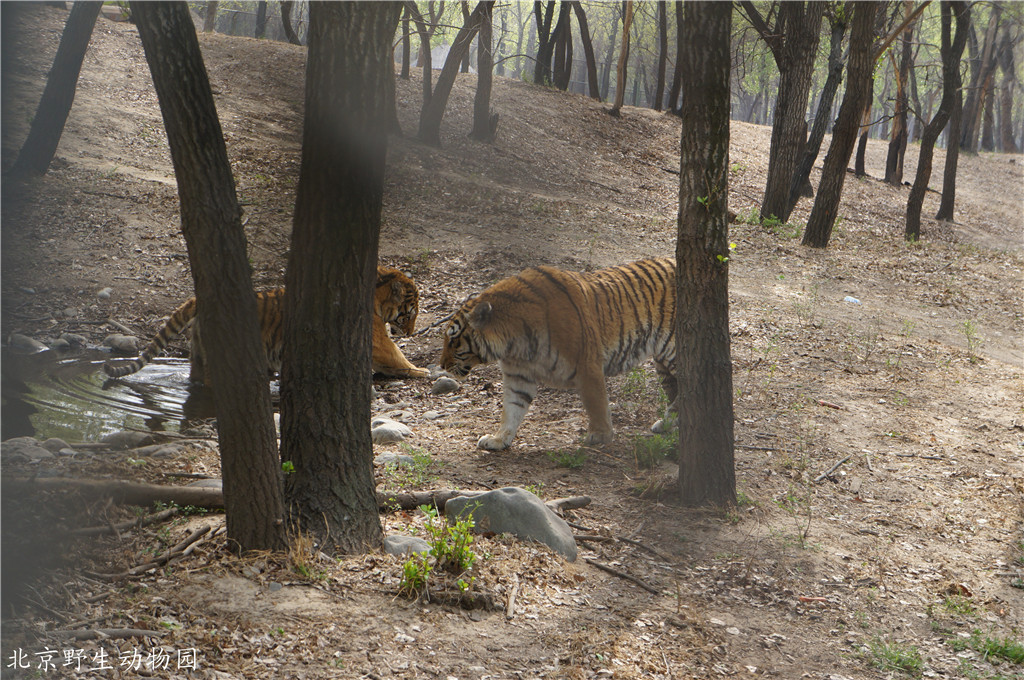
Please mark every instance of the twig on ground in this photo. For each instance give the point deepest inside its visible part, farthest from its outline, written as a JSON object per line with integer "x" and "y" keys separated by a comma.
{"x": 117, "y": 528}
{"x": 621, "y": 574}
{"x": 101, "y": 633}
{"x": 828, "y": 473}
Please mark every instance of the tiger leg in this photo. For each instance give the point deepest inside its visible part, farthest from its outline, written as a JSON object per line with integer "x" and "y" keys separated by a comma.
{"x": 594, "y": 395}
{"x": 387, "y": 358}
{"x": 671, "y": 387}
{"x": 519, "y": 393}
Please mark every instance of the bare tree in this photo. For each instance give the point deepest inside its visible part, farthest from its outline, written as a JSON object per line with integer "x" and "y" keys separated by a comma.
{"x": 332, "y": 270}
{"x": 898, "y": 136}
{"x": 59, "y": 93}
{"x": 1007, "y": 63}
{"x": 620, "y": 79}
{"x": 982, "y": 69}
{"x": 210, "y": 17}
{"x": 844, "y": 134}
{"x": 659, "y": 89}
{"x": 485, "y": 124}
{"x": 226, "y": 306}
{"x": 286, "y": 21}
{"x": 951, "y": 52}
{"x": 703, "y": 367}
{"x": 588, "y": 50}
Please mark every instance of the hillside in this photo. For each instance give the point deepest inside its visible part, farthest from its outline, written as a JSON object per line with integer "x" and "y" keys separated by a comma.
{"x": 913, "y": 543}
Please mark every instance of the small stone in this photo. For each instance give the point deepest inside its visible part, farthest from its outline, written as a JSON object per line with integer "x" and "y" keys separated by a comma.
{"x": 127, "y": 440}
{"x": 433, "y": 415}
{"x": 405, "y": 545}
{"x": 390, "y": 458}
{"x": 75, "y": 340}
{"x": 274, "y": 586}
{"x": 105, "y": 293}
{"x": 387, "y": 431}
{"x": 60, "y": 345}
{"x": 24, "y": 344}
{"x": 444, "y": 385}
{"x": 24, "y": 448}
{"x": 123, "y": 344}
{"x": 55, "y": 445}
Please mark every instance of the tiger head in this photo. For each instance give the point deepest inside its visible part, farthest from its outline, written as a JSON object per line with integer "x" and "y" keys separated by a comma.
{"x": 396, "y": 300}
{"x": 464, "y": 346}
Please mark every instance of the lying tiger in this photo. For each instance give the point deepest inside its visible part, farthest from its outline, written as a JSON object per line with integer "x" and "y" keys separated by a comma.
{"x": 567, "y": 330}
{"x": 395, "y": 301}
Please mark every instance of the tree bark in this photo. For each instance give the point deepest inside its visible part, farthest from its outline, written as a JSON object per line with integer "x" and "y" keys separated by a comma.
{"x": 677, "y": 75}
{"x": 406, "y": 43}
{"x": 331, "y": 276}
{"x": 261, "y": 19}
{"x": 484, "y": 123}
{"x": 425, "y": 57}
{"x": 286, "y": 21}
{"x": 433, "y": 111}
{"x": 844, "y": 135}
{"x": 588, "y": 51}
{"x": 212, "y": 226}
{"x": 562, "y": 72}
{"x": 703, "y": 366}
{"x": 620, "y": 78}
{"x": 59, "y": 93}
{"x": 793, "y": 42}
{"x": 1008, "y": 68}
{"x": 801, "y": 185}
{"x": 951, "y": 52}
{"x": 545, "y": 42}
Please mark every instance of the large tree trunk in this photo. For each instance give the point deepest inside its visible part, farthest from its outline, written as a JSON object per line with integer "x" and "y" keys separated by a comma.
{"x": 588, "y": 51}
{"x": 844, "y": 135}
{"x": 794, "y": 44}
{"x": 865, "y": 128}
{"x": 703, "y": 366}
{"x": 562, "y": 72}
{"x": 898, "y": 139}
{"x": 261, "y": 19}
{"x": 950, "y": 71}
{"x": 1006, "y": 65}
{"x": 545, "y": 42}
{"x": 212, "y": 226}
{"x": 948, "y": 200}
{"x": 801, "y": 185}
{"x": 433, "y": 112}
{"x": 988, "y": 138}
{"x": 59, "y": 93}
{"x": 620, "y": 78}
{"x": 484, "y": 123}
{"x": 332, "y": 270}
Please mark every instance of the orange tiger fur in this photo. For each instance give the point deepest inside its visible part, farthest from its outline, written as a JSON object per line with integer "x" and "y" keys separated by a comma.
{"x": 567, "y": 330}
{"x": 396, "y": 301}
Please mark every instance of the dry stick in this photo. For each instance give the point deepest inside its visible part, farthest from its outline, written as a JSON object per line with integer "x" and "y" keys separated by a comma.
{"x": 101, "y": 633}
{"x": 568, "y": 503}
{"x": 748, "y": 447}
{"x": 604, "y": 567}
{"x": 117, "y": 528}
{"x": 180, "y": 550}
{"x": 832, "y": 469}
{"x": 121, "y": 327}
{"x": 510, "y": 608}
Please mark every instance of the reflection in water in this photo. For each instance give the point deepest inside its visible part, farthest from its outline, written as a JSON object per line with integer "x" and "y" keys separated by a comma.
{"x": 45, "y": 395}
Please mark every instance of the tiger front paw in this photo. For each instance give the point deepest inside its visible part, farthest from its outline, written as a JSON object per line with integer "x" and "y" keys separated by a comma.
{"x": 490, "y": 442}
{"x": 598, "y": 438}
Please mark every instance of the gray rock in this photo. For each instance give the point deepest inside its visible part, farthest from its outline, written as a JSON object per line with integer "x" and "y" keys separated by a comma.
{"x": 60, "y": 345}
{"x": 55, "y": 445}
{"x": 127, "y": 440}
{"x": 444, "y": 385}
{"x": 405, "y": 545}
{"x": 387, "y": 431}
{"x": 74, "y": 339}
{"x": 24, "y": 448}
{"x": 105, "y": 293}
{"x": 433, "y": 415}
{"x": 400, "y": 415}
{"x": 22, "y": 343}
{"x": 124, "y": 344}
{"x": 389, "y": 458}
{"x": 663, "y": 425}
{"x": 518, "y": 512}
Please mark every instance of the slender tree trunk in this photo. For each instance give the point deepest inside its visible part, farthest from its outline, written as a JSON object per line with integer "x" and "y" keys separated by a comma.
{"x": 956, "y": 115}
{"x": 607, "y": 67}
{"x": 425, "y": 58}
{"x": 562, "y": 38}
{"x": 588, "y": 51}
{"x": 898, "y": 139}
{"x": 988, "y": 138}
{"x": 59, "y": 93}
{"x": 975, "y": 93}
{"x": 286, "y": 21}
{"x": 464, "y": 64}
{"x": 433, "y": 112}
{"x": 1006, "y": 65}
{"x": 210, "y": 18}
{"x": 844, "y": 136}
{"x": 332, "y": 271}
{"x": 951, "y": 53}
{"x": 801, "y": 185}
{"x": 703, "y": 366}
{"x": 484, "y": 123}
{"x": 261, "y": 19}
{"x": 545, "y": 42}
{"x": 226, "y": 307}
{"x": 620, "y": 79}
{"x": 865, "y": 129}
{"x": 677, "y": 76}
{"x": 406, "y": 43}
{"x": 659, "y": 90}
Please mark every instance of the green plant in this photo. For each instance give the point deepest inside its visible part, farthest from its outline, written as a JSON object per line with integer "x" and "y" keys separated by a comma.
{"x": 635, "y": 383}
{"x": 573, "y": 460}
{"x": 420, "y": 472}
{"x": 970, "y": 330}
{"x": 415, "y": 574}
{"x": 958, "y": 604}
{"x": 650, "y": 450}
{"x": 991, "y": 649}
{"x": 450, "y": 543}
{"x": 894, "y": 656}
{"x": 288, "y": 467}
{"x": 536, "y": 489}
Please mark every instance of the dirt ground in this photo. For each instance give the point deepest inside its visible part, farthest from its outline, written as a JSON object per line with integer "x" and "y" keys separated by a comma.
{"x": 907, "y": 561}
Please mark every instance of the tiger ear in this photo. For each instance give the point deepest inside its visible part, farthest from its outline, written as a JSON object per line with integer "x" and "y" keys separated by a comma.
{"x": 481, "y": 315}
{"x": 397, "y": 288}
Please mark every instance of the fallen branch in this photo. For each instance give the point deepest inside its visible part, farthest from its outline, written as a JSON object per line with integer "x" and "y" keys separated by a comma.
{"x": 120, "y": 491}
{"x": 829, "y": 404}
{"x": 410, "y": 500}
{"x": 621, "y": 574}
{"x": 180, "y": 550}
{"x": 828, "y": 473}
{"x": 569, "y": 503}
{"x": 130, "y": 524}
